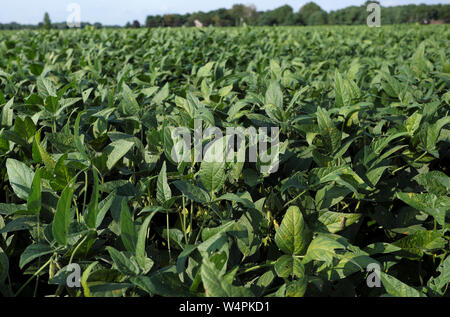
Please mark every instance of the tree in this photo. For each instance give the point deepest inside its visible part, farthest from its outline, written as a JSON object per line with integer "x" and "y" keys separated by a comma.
{"x": 47, "y": 24}
{"x": 242, "y": 13}
{"x": 136, "y": 24}
{"x": 318, "y": 18}
{"x": 283, "y": 15}
{"x": 154, "y": 21}
{"x": 308, "y": 10}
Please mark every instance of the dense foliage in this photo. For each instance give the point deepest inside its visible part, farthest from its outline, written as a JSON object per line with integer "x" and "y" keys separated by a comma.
{"x": 309, "y": 14}
{"x": 87, "y": 177}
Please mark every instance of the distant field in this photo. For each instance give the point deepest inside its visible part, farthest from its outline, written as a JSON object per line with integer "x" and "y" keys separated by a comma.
{"x": 354, "y": 201}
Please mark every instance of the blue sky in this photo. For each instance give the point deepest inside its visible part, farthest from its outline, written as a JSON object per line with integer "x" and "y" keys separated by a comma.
{"x": 119, "y": 12}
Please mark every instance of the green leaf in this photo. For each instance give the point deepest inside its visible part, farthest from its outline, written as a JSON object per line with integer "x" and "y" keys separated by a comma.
{"x": 8, "y": 113}
{"x": 32, "y": 252}
{"x": 223, "y": 92}
{"x": 116, "y": 150}
{"x": 34, "y": 201}
{"x": 18, "y": 224}
{"x": 4, "y": 266}
{"x": 41, "y": 155}
{"x": 84, "y": 279}
{"x": 205, "y": 71}
{"x": 435, "y": 182}
{"x": 288, "y": 265}
{"x": 322, "y": 248}
{"x": 163, "y": 284}
{"x": 274, "y": 95}
{"x": 20, "y": 177}
{"x": 76, "y": 137}
{"x": 161, "y": 95}
{"x": 92, "y": 211}
{"x": 212, "y": 175}
{"x": 128, "y": 105}
{"x": 123, "y": 262}
{"x": 293, "y": 235}
{"x": 63, "y": 215}
{"x": 337, "y": 221}
{"x": 397, "y": 288}
{"x": 192, "y": 192}
{"x": 217, "y": 286}
{"x": 331, "y": 135}
{"x": 142, "y": 236}
{"x": 296, "y": 288}
{"x": 127, "y": 229}
{"x": 421, "y": 241}
{"x": 428, "y": 203}
{"x": 436, "y": 284}
{"x": 163, "y": 192}
{"x": 45, "y": 87}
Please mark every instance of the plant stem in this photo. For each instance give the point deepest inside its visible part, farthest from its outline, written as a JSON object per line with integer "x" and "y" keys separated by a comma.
{"x": 35, "y": 274}
{"x": 184, "y": 221}
{"x": 76, "y": 249}
{"x": 257, "y": 267}
{"x": 168, "y": 236}
{"x": 291, "y": 201}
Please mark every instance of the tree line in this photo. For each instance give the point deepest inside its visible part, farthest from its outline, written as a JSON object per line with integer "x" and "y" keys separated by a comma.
{"x": 308, "y": 14}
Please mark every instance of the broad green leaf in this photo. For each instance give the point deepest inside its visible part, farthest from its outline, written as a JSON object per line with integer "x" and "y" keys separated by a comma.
{"x": 128, "y": 105}
{"x": 435, "y": 182}
{"x": 428, "y": 203}
{"x": 93, "y": 210}
{"x": 128, "y": 232}
{"x": 288, "y": 265}
{"x": 123, "y": 262}
{"x": 223, "y": 92}
{"x": 192, "y": 192}
{"x": 337, "y": 221}
{"x": 84, "y": 279}
{"x": 41, "y": 155}
{"x": 18, "y": 224}
{"x": 163, "y": 193}
{"x": 162, "y": 94}
{"x": 293, "y": 235}
{"x": 33, "y": 251}
{"x": 217, "y": 286}
{"x": 212, "y": 175}
{"x": 4, "y": 266}
{"x": 76, "y": 137}
{"x": 322, "y": 248}
{"x": 436, "y": 284}
{"x": 45, "y": 87}
{"x": 296, "y": 288}
{"x": 116, "y": 151}
{"x": 8, "y": 113}
{"x": 331, "y": 135}
{"x": 421, "y": 241}
{"x": 20, "y": 177}
{"x": 63, "y": 215}
{"x": 163, "y": 284}
{"x": 205, "y": 71}
{"x": 34, "y": 201}
{"x": 142, "y": 236}
{"x": 397, "y": 288}
{"x": 274, "y": 95}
